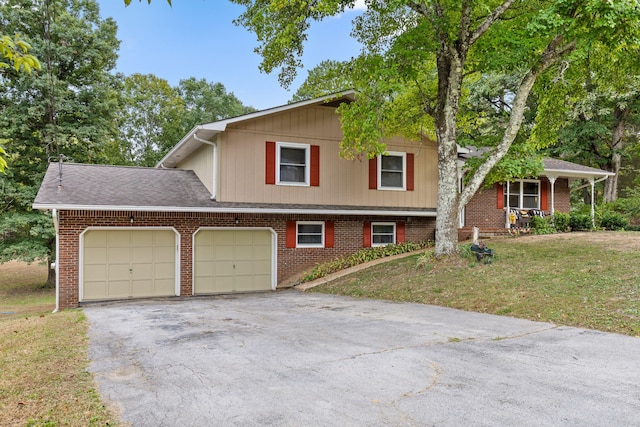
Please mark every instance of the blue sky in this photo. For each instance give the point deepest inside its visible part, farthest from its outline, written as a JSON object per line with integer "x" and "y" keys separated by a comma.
{"x": 197, "y": 38}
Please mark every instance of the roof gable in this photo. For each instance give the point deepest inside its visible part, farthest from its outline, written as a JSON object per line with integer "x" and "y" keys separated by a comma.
{"x": 202, "y": 134}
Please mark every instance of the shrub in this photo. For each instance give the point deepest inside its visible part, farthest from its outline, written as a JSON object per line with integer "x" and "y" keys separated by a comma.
{"x": 360, "y": 257}
{"x": 560, "y": 221}
{"x": 580, "y": 222}
{"x": 541, "y": 225}
{"x": 613, "y": 221}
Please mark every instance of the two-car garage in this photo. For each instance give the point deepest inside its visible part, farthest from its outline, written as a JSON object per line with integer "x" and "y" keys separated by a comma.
{"x": 122, "y": 263}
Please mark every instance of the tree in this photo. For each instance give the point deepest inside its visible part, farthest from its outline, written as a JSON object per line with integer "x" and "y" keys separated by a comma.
{"x": 149, "y": 120}
{"x": 418, "y": 56}
{"x": 326, "y": 78}
{"x": 154, "y": 115}
{"x": 15, "y": 52}
{"x": 67, "y": 108}
{"x": 207, "y": 102}
{"x": 592, "y": 114}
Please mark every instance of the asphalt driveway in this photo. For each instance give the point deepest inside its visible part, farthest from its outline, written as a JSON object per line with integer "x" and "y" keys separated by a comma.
{"x": 295, "y": 359}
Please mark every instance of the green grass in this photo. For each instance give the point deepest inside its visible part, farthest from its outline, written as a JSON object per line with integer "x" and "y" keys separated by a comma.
{"x": 586, "y": 280}
{"x": 43, "y": 356}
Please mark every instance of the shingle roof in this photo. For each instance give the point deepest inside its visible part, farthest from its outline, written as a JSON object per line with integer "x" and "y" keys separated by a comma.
{"x": 562, "y": 166}
{"x": 101, "y": 187}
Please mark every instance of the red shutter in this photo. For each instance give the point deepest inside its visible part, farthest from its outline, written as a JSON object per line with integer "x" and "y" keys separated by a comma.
{"x": 315, "y": 166}
{"x": 373, "y": 173}
{"x": 270, "y": 163}
{"x": 409, "y": 171}
{"x": 400, "y": 232}
{"x": 329, "y": 234}
{"x": 366, "y": 235}
{"x": 291, "y": 234}
{"x": 500, "y": 192}
{"x": 544, "y": 195}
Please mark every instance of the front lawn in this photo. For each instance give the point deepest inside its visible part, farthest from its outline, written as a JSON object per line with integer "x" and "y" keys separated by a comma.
{"x": 588, "y": 280}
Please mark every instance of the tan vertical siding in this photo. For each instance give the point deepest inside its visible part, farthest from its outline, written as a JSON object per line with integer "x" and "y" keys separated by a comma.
{"x": 201, "y": 162}
{"x": 342, "y": 182}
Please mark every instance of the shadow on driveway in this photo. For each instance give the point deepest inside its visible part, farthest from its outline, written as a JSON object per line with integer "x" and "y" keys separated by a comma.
{"x": 295, "y": 359}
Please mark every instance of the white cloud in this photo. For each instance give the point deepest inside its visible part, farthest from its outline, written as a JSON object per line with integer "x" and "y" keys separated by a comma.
{"x": 359, "y": 5}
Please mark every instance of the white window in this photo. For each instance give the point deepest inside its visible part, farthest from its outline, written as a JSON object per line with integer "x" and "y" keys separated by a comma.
{"x": 309, "y": 234}
{"x": 292, "y": 163}
{"x": 383, "y": 233}
{"x": 523, "y": 194}
{"x": 392, "y": 168}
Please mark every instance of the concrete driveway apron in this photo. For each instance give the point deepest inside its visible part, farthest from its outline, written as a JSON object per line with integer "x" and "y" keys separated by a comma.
{"x": 296, "y": 359}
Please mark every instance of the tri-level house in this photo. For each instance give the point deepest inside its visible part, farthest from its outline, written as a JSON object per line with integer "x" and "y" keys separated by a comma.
{"x": 247, "y": 204}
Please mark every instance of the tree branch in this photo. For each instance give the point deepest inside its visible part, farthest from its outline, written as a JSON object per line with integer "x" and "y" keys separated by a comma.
{"x": 493, "y": 17}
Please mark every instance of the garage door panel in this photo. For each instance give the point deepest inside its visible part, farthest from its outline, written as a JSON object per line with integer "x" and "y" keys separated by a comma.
{"x": 223, "y": 252}
{"x": 142, "y": 271}
{"x": 128, "y": 263}
{"x": 262, "y": 267}
{"x": 164, "y": 271}
{"x": 118, "y": 289}
{"x": 165, "y": 286}
{"x": 118, "y": 239}
{"x": 232, "y": 261}
{"x": 142, "y": 239}
{"x": 95, "y": 239}
{"x": 142, "y": 288}
{"x": 94, "y": 273}
{"x": 144, "y": 255}
{"x": 224, "y": 268}
{"x": 118, "y": 255}
{"x": 163, "y": 238}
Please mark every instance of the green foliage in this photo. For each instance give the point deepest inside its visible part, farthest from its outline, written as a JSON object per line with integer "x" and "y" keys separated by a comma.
{"x": 15, "y": 50}
{"x": 3, "y": 161}
{"x": 560, "y": 221}
{"x": 580, "y": 222}
{"x": 541, "y": 225}
{"x": 362, "y": 256}
{"x": 326, "y": 78}
{"x": 67, "y": 108}
{"x": 628, "y": 206}
{"x": 610, "y": 220}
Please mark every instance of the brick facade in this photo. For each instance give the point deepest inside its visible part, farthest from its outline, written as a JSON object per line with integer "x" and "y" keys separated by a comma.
{"x": 483, "y": 211}
{"x": 291, "y": 262}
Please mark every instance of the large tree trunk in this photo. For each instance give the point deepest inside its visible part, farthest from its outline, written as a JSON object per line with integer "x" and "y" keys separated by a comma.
{"x": 51, "y": 274}
{"x": 611, "y": 184}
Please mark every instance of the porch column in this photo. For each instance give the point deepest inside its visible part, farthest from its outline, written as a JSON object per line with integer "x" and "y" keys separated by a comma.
{"x": 508, "y": 208}
{"x": 552, "y": 181}
{"x": 593, "y": 201}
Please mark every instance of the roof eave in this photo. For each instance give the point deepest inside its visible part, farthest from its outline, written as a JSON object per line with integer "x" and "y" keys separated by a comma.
{"x": 257, "y": 210}
{"x": 577, "y": 174}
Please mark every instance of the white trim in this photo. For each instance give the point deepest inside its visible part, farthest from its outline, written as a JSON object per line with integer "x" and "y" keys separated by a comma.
{"x": 395, "y": 234}
{"x": 563, "y": 173}
{"x": 307, "y": 165}
{"x": 56, "y": 222}
{"x": 104, "y": 228}
{"x": 235, "y": 210}
{"x": 274, "y": 252}
{"x": 404, "y": 170}
{"x": 521, "y": 194}
{"x": 311, "y": 245}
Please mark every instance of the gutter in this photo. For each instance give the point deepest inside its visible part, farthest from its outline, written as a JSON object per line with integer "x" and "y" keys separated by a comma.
{"x": 249, "y": 210}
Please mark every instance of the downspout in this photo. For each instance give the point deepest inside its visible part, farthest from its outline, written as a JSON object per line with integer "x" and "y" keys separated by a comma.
{"x": 215, "y": 163}
{"x": 56, "y": 226}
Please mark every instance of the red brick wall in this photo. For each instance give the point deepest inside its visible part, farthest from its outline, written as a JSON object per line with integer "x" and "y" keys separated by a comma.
{"x": 482, "y": 211}
{"x": 291, "y": 261}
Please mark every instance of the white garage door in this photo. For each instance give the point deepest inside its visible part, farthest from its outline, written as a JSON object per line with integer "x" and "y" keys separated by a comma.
{"x": 232, "y": 261}
{"x": 128, "y": 264}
